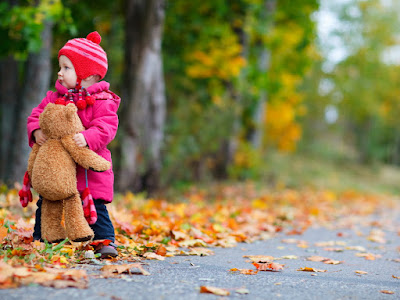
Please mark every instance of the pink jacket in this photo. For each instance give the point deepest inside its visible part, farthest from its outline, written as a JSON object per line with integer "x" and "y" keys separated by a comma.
{"x": 101, "y": 123}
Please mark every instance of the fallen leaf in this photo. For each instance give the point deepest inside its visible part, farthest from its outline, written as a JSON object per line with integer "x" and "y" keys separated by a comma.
{"x": 259, "y": 258}
{"x": 325, "y": 260}
{"x": 152, "y": 255}
{"x": 292, "y": 241}
{"x": 113, "y": 270}
{"x": 330, "y": 244}
{"x": 200, "y": 251}
{"x": 316, "y": 258}
{"x": 3, "y": 232}
{"x": 332, "y": 262}
{"x": 361, "y": 272}
{"x": 242, "y": 291}
{"x": 178, "y": 235}
{"x": 272, "y": 267}
{"x": 244, "y": 271}
{"x": 288, "y": 257}
{"x": 356, "y": 248}
{"x": 161, "y": 250}
{"x": 214, "y": 290}
{"x": 334, "y": 249}
{"x": 387, "y": 292}
{"x": 307, "y": 269}
{"x": 395, "y": 277}
{"x": 368, "y": 256}
{"x": 69, "y": 278}
{"x": 377, "y": 236}
{"x": 192, "y": 243}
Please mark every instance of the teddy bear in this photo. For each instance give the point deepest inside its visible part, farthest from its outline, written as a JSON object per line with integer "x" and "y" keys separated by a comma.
{"x": 52, "y": 173}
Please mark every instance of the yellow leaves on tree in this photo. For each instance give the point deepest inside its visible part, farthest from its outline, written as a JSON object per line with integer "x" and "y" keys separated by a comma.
{"x": 282, "y": 129}
{"x": 219, "y": 58}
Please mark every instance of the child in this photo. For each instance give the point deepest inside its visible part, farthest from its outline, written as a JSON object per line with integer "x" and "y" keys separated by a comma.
{"x": 83, "y": 63}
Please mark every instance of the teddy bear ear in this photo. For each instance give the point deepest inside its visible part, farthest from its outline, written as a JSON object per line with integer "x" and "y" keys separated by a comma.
{"x": 70, "y": 111}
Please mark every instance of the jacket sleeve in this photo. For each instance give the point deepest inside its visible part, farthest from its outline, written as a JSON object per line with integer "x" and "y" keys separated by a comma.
{"x": 33, "y": 119}
{"x": 104, "y": 125}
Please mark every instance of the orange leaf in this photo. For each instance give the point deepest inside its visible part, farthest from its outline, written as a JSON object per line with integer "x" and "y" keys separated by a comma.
{"x": 3, "y": 233}
{"x": 161, "y": 250}
{"x": 214, "y": 290}
{"x": 387, "y": 292}
{"x": 307, "y": 269}
{"x": 244, "y": 271}
{"x": 273, "y": 267}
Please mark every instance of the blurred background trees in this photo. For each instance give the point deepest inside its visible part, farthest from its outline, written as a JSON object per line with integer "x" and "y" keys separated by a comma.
{"x": 214, "y": 89}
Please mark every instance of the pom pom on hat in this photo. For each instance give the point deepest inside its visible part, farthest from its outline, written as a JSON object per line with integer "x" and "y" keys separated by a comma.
{"x": 86, "y": 55}
{"x": 94, "y": 37}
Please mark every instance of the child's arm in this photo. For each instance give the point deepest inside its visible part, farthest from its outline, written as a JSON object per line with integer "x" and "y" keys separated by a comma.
{"x": 103, "y": 127}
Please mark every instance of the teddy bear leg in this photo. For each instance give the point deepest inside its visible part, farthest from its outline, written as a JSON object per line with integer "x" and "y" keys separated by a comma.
{"x": 78, "y": 229}
{"x": 51, "y": 227}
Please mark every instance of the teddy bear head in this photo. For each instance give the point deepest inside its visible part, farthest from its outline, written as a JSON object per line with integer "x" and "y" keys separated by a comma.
{"x": 58, "y": 120}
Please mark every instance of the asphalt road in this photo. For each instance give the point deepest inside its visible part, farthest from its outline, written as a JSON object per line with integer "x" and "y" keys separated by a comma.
{"x": 180, "y": 277}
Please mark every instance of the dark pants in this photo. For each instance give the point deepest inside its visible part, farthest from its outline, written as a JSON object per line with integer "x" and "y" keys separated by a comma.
{"x": 103, "y": 228}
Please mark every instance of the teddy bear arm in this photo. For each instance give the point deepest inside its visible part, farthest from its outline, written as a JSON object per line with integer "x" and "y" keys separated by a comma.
{"x": 32, "y": 158}
{"x": 84, "y": 156}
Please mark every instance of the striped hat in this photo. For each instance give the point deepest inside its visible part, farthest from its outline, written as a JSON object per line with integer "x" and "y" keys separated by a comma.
{"x": 86, "y": 55}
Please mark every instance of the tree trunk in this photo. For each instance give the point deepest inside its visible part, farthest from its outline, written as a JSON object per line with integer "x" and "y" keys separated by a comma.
{"x": 8, "y": 104}
{"x": 34, "y": 87}
{"x": 143, "y": 110}
{"x": 257, "y": 133}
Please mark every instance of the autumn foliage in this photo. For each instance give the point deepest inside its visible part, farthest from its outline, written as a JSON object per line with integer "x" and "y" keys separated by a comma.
{"x": 222, "y": 216}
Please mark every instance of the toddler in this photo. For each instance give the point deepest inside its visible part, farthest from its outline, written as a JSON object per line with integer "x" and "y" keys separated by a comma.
{"x": 83, "y": 63}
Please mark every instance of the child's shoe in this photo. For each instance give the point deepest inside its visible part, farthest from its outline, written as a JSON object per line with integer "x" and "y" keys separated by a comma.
{"x": 106, "y": 249}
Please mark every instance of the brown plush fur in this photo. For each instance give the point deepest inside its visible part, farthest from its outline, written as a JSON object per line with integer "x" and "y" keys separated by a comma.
{"x": 52, "y": 171}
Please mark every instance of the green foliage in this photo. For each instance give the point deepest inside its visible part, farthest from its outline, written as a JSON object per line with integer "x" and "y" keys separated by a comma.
{"x": 21, "y": 25}
{"x": 215, "y": 78}
{"x": 365, "y": 85}
{"x": 247, "y": 163}
{"x": 53, "y": 249}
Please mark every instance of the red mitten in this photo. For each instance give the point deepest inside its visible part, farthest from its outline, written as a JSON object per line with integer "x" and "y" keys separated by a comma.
{"x": 25, "y": 194}
{"x": 89, "y": 210}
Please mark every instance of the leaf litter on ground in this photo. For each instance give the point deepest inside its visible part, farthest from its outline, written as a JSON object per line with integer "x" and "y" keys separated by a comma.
{"x": 222, "y": 216}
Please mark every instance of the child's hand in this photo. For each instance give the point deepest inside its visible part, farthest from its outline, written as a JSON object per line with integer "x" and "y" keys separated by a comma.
{"x": 40, "y": 137}
{"x": 80, "y": 140}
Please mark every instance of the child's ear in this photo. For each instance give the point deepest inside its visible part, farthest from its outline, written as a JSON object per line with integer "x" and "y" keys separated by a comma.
{"x": 70, "y": 111}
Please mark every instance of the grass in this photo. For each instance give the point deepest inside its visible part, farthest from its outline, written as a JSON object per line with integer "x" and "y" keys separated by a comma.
{"x": 330, "y": 166}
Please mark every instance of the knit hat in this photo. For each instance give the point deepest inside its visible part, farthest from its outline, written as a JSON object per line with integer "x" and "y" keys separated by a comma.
{"x": 86, "y": 55}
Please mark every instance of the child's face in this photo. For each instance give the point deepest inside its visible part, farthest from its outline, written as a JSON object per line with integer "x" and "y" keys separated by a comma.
{"x": 67, "y": 75}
